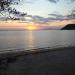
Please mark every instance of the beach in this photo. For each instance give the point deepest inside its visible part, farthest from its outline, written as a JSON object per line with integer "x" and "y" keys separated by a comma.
{"x": 60, "y": 61}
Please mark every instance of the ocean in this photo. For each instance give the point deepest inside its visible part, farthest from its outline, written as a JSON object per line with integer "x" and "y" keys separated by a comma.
{"x": 11, "y": 40}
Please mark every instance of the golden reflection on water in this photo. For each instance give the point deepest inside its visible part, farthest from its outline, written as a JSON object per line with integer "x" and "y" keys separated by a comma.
{"x": 30, "y": 40}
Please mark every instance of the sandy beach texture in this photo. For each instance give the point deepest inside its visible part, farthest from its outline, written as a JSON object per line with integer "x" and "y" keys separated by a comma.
{"x": 60, "y": 61}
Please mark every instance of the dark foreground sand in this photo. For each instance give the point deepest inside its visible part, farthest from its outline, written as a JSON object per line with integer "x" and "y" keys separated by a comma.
{"x": 60, "y": 61}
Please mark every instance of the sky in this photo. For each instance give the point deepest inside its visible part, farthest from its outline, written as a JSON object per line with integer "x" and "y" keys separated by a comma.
{"x": 46, "y": 13}
{"x": 45, "y": 7}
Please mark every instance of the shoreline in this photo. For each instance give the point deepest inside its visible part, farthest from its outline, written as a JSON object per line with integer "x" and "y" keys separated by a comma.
{"x": 21, "y": 52}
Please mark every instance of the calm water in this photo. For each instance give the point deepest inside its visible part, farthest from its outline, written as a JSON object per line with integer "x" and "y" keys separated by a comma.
{"x": 36, "y": 39}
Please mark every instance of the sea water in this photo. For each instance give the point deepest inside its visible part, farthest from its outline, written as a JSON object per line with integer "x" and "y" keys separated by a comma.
{"x": 36, "y": 39}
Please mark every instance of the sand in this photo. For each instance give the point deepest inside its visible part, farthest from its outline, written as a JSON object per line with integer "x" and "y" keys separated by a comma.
{"x": 59, "y": 61}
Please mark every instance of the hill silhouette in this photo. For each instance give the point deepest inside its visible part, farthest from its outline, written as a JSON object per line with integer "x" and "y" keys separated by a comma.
{"x": 69, "y": 27}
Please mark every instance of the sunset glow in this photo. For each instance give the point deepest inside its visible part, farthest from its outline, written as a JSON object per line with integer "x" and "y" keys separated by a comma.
{"x": 20, "y": 25}
{"x": 31, "y": 27}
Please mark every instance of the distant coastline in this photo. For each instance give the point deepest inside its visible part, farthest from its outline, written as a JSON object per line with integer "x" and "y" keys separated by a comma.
{"x": 69, "y": 27}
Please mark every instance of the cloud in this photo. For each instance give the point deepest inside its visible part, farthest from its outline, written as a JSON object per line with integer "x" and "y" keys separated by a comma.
{"x": 53, "y": 1}
{"x": 39, "y": 19}
{"x": 57, "y": 15}
{"x": 72, "y": 15}
{"x": 72, "y": 0}
{"x": 29, "y": 1}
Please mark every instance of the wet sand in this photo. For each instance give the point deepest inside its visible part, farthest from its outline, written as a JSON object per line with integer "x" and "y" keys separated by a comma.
{"x": 60, "y": 61}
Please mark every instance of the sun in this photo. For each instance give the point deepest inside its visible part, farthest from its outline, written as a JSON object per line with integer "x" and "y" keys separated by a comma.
{"x": 31, "y": 27}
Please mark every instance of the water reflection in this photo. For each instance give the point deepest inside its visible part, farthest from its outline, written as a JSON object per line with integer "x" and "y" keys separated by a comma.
{"x": 30, "y": 39}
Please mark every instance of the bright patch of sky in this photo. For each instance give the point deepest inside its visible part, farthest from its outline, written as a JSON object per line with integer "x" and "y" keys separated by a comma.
{"x": 44, "y": 7}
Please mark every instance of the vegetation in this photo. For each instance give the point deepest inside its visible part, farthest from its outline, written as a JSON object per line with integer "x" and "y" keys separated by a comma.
{"x": 5, "y": 7}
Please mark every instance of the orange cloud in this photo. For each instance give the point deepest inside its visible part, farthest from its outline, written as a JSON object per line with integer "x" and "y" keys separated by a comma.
{"x": 20, "y": 25}
{"x": 61, "y": 24}
{"x": 32, "y": 25}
